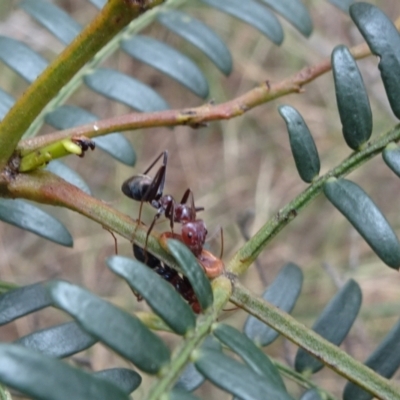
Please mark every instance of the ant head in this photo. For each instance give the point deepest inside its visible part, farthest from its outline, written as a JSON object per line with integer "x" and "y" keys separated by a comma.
{"x": 194, "y": 235}
{"x": 136, "y": 187}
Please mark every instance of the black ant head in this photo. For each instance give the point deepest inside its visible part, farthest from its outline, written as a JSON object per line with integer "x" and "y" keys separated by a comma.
{"x": 136, "y": 187}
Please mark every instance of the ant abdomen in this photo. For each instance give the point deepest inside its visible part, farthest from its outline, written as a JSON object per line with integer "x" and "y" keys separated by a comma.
{"x": 136, "y": 187}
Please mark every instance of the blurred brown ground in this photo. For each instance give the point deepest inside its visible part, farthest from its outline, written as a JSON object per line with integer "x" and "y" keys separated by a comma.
{"x": 236, "y": 166}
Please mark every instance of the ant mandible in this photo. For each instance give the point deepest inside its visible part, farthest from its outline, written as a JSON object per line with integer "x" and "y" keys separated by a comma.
{"x": 145, "y": 189}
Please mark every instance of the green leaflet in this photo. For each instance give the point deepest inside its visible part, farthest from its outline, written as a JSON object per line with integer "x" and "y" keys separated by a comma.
{"x": 366, "y": 217}
{"x": 53, "y": 18}
{"x": 47, "y": 378}
{"x": 22, "y": 301}
{"x": 21, "y": 58}
{"x": 384, "y": 41}
{"x": 250, "y": 353}
{"x": 352, "y": 98}
{"x": 391, "y": 156}
{"x": 164, "y": 300}
{"x": 199, "y": 35}
{"x": 304, "y": 151}
{"x": 253, "y": 14}
{"x": 295, "y": 12}
{"x": 126, "y": 379}
{"x": 123, "y": 88}
{"x": 58, "y": 341}
{"x": 119, "y": 330}
{"x": 167, "y": 60}
{"x": 234, "y": 377}
{"x": 30, "y": 218}
{"x": 283, "y": 292}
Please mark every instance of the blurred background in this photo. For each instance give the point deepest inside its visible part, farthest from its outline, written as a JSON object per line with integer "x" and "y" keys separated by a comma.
{"x": 241, "y": 171}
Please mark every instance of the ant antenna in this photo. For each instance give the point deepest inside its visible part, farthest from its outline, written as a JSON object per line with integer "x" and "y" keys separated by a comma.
{"x": 221, "y": 254}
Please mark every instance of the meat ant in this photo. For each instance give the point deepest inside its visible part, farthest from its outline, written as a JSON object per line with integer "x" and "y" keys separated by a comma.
{"x": 181, "y": 284}
{"x": 145, "y": 189}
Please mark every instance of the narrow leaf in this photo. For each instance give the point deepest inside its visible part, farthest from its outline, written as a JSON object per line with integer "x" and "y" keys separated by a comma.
{"x": 163, "y": 299}
{"x": 6, "y": 102}
{"x": 283, "y": 293}
{"x": 250, "y": 353}
{"x": 119, "y": 330}
{"x": 22, "y": 301}
{"x": 391, "y": 156}
{"x": 68, "y": 174}
{"x": 126, "y": 379}
{"x": 304, "y": 151}
{"x": 385, "y": 360}
{"x": 53, "y": 18}
{"x": 33, "y": 219}
{"x": 125, "y": 89}
{"x": 115, "y": 144}
{"x": 295, "y": 12}
{"x": 200, "y": 36}
{"x": 333, "y": 324}
{"x": 169, "y": 61}
{"x": 21, "y": 58}
{"x": 352, "y": 98}
{"x": 384, "y": 41}
{"x": 47, "y": 378}
{"x": 234, "y": 377}
{"x": 58, "y": 341}
{"x": 253, "y": 14}
{"x": 366, "y": 217}
{"x": 193, "y": 271}
{"x": 191, "y": 379}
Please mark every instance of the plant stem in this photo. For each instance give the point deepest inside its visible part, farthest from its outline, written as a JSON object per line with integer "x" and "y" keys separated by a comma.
{"x": 196, "y": 116}
{"x": 245, "y": 256}
{"x": 329, "y": 354}
{"x": 113, "y": 17}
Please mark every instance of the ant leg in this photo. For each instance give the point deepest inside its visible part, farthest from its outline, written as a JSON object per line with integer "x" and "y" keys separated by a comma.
{"x": 165, "y": 159}
{"x": 151, "y": 227}
{"x": 170, "y": 213}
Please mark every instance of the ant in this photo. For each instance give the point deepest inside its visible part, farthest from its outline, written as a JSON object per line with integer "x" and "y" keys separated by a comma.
{"x": 145, "y": 189}
{"x": 181, "y": 284}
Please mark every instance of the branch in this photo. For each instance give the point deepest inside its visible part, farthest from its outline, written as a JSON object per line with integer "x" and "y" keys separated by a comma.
{"x": 196, "y": 116}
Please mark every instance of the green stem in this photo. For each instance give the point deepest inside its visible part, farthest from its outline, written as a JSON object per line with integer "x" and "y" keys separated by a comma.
{"x": 112, "y": 18}
{"x": 246, "y": 255}
{"x": 329, "y": 354}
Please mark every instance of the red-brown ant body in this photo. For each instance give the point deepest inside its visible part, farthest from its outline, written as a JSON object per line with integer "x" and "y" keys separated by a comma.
{"x": 145, "y": 189}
